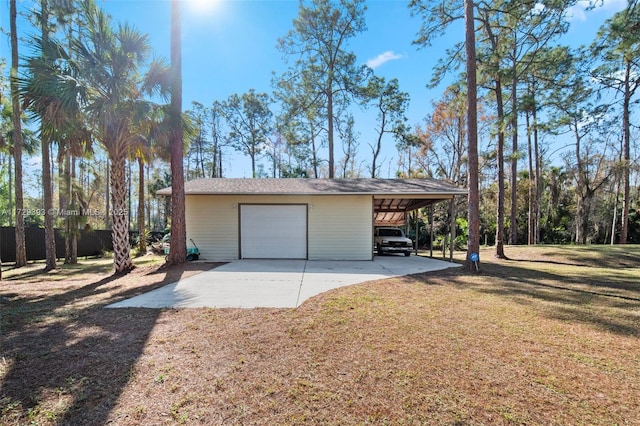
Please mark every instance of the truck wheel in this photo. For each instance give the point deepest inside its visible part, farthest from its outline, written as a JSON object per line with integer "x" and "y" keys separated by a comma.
{"x": 407, "y": 253}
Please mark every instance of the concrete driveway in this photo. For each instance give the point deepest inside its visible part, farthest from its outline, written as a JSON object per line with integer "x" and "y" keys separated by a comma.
{"x": 275, "y": 283}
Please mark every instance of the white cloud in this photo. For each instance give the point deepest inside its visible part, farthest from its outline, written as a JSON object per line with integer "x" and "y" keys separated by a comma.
{"x": 537, "y": 8}
{"x": 578, "y": 12}
{"x": 383, "y": 58}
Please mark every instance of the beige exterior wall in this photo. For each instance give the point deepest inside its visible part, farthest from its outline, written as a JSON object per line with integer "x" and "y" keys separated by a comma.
{"x": 339, "y": 227}
{"x": 212, "y": 224}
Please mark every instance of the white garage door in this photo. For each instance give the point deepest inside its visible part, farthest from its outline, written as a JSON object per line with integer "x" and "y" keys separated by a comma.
{"x": 273, "y": 232}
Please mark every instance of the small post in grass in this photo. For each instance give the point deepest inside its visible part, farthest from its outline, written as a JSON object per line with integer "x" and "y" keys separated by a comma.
{"x": 474, "y": 258}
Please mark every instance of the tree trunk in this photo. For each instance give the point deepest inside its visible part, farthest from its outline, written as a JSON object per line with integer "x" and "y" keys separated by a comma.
{"x": 11, "y": 191}
{"x": 513, "y": 238}
{"x": 473, "y": 244}
{"x": 74, "y": 247}
{"x": 583, "y": 191}
{"x": 178, "y": 252}
{"x": 76, "y": 216}
{"x": 119, "y": 216}
{"x": 584, "y": 221}
{"x": 49, "y": 232}
{"x": 142, "y": 241}
{"x": 0, "y": 256}
{"x": 21, "y": 249}
{"x": 499, "y": 148}
{"x": 626, "y": 132}
{"x": 330, "y": 122}
{"x": 329, "y": 88}
{"x": 538, "y": 180}
{"x": 66, "y": 205}
{"x": 376, "y": 151}
{"x": 532, "y": 194}
{"x": 62, "y": 181}
{"x": 615, "y": 214}
{"x": 47, "y": 189}
{"x": 313, "y": 151}
{"x": 214, "y": 134}
{"x": 220, "y": 163}
{"x": 500, "y": 164}
{"x": 253, "y": 163}
{"x": 578, "y": 221}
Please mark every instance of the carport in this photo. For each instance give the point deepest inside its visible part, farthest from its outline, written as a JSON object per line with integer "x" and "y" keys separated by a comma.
{"x": 394, "y": 212}
{"x": 394, "y": 209}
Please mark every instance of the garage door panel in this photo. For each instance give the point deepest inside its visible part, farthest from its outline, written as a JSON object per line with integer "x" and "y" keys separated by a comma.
{"x": 273, "y": 231}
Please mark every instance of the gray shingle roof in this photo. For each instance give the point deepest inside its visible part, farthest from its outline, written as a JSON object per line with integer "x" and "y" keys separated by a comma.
{"x": 301, "y": 186}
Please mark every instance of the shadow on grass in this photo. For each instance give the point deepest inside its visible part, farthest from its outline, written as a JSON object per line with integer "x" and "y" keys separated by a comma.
{"x": 600, "y": 256}
{"x": 69, "y": 349}
{"x": 601, "y": 300}
{"x": 61, "y": 272}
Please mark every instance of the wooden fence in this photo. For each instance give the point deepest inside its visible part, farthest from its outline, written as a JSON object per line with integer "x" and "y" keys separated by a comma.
{"x": 90, "y": 243}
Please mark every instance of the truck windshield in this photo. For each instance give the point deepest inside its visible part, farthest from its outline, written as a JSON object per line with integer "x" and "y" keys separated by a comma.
{"x": 390, "y": 233}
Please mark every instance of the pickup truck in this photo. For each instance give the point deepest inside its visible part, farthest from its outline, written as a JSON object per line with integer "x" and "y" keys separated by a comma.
{"x": 392, "y": 240}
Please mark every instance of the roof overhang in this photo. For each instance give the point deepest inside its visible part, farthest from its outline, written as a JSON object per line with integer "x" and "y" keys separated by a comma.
{"x": 392, "y": 209}
{"x": 392, "y": 198}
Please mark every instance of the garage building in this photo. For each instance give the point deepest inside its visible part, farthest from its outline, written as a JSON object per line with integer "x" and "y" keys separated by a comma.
{"x": 315, "y": 219}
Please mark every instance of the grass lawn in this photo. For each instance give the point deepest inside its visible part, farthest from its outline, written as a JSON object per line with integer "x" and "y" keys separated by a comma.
{"x": 551, "y": 336}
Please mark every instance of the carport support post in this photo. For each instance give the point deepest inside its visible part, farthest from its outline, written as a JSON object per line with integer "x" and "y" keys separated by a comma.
{"x": 453, "y": 228}
{"x": 406, "y": 222}
{"x": 431, "y": 231}
{"x": 417, "y": 230}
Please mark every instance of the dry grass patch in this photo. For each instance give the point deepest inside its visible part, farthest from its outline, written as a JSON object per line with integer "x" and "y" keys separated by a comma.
{"x": 550, "y": 337}
{"x": 64, "y": 358}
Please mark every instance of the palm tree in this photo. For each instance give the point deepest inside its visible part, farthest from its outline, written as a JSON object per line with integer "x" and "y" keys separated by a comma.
{"x": 51, "y": 93}
{"x": 110, "y": 60}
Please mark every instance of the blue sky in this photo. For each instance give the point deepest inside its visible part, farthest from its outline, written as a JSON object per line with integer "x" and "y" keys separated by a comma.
{"x": 229, "y": 46}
